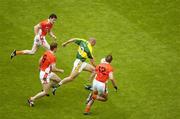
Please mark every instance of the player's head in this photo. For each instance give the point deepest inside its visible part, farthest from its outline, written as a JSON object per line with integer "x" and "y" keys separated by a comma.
{"x": 92, "y": 41}
{"x": 109, "y": 58}
{"x": 53, "y": 46}
{"x": 52, "y": 18}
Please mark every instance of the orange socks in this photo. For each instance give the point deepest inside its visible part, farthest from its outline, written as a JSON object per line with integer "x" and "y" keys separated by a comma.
{"x": 19, "y": 52}
{"x": 87, "y": 108}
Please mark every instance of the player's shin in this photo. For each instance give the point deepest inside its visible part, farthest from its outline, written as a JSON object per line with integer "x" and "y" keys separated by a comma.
{"x": 88, "y": 106}
{"x": 39, "y": 95}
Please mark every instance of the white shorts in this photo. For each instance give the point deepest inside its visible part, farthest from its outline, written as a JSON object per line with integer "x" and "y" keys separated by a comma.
{"x": 79, "y": 65}
{"x": 99, "y": 86}
{"x": 41, "y": 41}
{"x": 47, "y": 75}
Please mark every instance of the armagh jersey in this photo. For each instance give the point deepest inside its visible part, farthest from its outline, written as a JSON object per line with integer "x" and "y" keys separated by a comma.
{"x": 102, "y": 72}
{"x": 84, "y": 50}
{"x": 47, "y": 61}
{"x": 45, "y": 27}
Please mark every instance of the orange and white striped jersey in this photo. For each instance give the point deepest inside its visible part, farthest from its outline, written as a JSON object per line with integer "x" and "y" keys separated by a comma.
{"x": 45, "y": 27}
{"x": 46, "y": 62}
{"x": 102, "y": 71}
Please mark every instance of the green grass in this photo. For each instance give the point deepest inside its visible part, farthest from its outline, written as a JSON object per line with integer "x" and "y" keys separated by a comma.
{"x": 142, "y": 35}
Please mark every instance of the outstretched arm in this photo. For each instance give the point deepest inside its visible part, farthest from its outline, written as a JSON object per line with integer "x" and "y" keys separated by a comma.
{"x": 69, "y": 41}
{"x": 55, "y": 69}
{"x": 111, "y": 77}
{"x": 52, "y": 35}
{"x": 36, "y": 29}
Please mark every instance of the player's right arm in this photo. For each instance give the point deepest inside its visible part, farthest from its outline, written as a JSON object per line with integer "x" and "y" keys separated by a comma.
{"x": 36, "y": 29}
{"x": 69, "y": 41}
{"x": 111, "y": 77}
{"x": 90, "y": 56}
{"x": 75, "y": 40}
{"x": 55, "y": 69}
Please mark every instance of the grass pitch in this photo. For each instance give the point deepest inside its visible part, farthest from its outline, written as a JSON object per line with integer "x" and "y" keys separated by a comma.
{"x": 143, "y": 36}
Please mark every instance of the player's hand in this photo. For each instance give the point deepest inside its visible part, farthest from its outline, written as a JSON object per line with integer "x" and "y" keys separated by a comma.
{"x": 116, "y": 88}
{"x": 63, "y": 44}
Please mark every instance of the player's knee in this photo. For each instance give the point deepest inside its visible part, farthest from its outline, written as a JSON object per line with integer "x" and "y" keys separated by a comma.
{"x": 33, "y": 52}
{"x": 105, "y": 97}
{"x": 44, "y": 93}
{"x": 58, "y": 80}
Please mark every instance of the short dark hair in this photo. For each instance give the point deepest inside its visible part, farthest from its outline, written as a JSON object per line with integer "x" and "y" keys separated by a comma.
{"x": 109, "y": 58}
{"x": 53, "y": 45}
{"x": 51, "y": 16}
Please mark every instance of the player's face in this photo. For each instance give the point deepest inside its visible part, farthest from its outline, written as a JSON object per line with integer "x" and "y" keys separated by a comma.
{"x": 93, "y": 42}
{"x": 53, "y": 20}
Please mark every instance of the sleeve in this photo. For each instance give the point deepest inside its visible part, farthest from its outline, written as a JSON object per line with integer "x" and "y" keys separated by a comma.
{"x": 53, "y": 60}
{"x": 42, "y": 24}
{"x": 77, "y": 41}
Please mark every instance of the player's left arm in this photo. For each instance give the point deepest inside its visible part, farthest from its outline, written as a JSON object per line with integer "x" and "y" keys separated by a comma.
{"x": 52, "y": 34}
{"x": 111, "y": 77}
{"x": 55, "y": 69}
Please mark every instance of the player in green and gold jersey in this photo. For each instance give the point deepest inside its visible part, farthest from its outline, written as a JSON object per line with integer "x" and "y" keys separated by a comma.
{"x": 84, "y": 52}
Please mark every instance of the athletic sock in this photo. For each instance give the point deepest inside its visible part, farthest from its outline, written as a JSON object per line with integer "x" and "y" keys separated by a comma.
{"x": 87, "y": 108}
{"x": 19, "y": 52}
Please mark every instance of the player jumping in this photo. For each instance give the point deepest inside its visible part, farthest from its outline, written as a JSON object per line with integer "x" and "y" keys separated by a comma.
{"x": 103, "y": 73}
{"x": 84, "y": 52}
{"x": 47, "y": 67}
{"x": 40, "y": 31}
